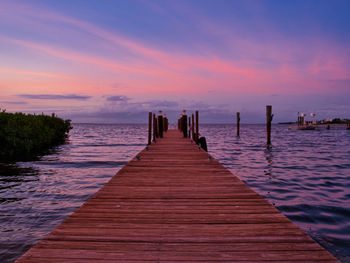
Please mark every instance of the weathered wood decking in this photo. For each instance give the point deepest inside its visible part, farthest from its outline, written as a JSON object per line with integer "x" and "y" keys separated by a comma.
{"x": 175, "y": 204}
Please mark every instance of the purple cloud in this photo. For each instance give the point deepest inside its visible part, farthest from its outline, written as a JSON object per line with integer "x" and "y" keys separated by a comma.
{"x": 15, "y": 102}
{"x": 118, "y": 98}
{"x": 53, "y": 97}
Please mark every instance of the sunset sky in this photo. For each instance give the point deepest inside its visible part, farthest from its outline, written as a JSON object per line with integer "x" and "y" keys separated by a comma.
{"x": 113, "y": 61}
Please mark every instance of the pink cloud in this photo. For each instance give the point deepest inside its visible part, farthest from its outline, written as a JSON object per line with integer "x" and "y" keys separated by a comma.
{"x": 32, "y": 73}
{"x": 149, "y": 70}
{"x": 177, "y": 62}
{"x": 70, "y": 55}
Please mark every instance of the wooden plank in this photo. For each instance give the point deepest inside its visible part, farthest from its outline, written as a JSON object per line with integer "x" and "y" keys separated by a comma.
{"x": 180, "y": 247}
{"x": 173, "y": 202}
{"x": 174, "y": 255}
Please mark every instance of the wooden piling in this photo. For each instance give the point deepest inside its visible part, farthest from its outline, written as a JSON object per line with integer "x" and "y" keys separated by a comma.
{"x": 269, "y": 117}
{"x": 238, "y": 120}
{"x": 197, "y": 127}
{"x": 180, "y": 118}
{"x": 165, "y": 123}
{"x": 160, "y": 124}
{"x": 192, "y": 126}
{"x": 154, "y": 127}
{"x": 189, "y": 127}
{"x": 184, "y": 124}
{"x": 149, "y": 127}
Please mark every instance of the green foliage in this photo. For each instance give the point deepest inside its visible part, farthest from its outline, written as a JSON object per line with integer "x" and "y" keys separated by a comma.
{"x": 335, "y": 121}
{"x": 24, "y": 136}
{"x": 338, "y": 120}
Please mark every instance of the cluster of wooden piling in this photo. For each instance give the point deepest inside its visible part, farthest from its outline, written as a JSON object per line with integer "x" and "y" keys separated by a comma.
{"x": 190, "y": 128}
{"x": 189, "y": 125}
{"x": 160, "y": 125}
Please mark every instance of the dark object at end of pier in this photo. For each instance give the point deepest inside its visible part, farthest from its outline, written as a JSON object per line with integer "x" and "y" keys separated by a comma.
{"x": 203, "y": 143}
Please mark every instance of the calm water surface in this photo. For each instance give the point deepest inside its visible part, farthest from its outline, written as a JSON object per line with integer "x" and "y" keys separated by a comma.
{"x": 306, "y": 175}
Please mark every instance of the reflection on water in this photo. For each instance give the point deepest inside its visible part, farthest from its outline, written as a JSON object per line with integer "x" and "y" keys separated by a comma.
{"x": 268, "y": 157}
{"x": 305, "y": 174}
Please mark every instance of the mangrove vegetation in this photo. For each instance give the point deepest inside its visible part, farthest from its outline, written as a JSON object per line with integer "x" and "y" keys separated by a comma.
{"x": 25, "y": 136}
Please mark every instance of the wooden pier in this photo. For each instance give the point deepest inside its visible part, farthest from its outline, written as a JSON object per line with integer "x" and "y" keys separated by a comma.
{"x": 175, "y": 203}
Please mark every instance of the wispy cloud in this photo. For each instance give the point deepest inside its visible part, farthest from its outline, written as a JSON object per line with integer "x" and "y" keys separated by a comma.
{"x": 54, "y": 97}
{"x": 15, "y": 102}
{"x": 71, "y": 55}
{"x": 145, "y": 60}
{"x": 162, "y": 104}
{"x": 118, "y": 98}
{"x": 32, "y": 73}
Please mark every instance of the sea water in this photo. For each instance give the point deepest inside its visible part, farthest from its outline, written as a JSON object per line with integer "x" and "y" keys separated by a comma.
{"x": 305, "y": 174}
